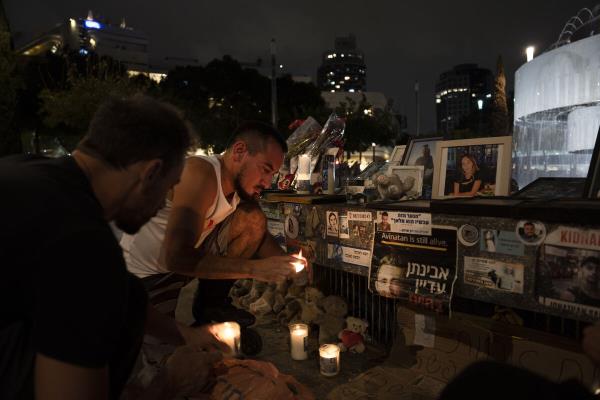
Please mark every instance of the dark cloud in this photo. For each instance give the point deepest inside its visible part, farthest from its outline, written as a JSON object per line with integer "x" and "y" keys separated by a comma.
{"x": 403, "y": 41}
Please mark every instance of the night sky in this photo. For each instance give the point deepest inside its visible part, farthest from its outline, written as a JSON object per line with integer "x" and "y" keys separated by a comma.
{"x": 403, "y": 41}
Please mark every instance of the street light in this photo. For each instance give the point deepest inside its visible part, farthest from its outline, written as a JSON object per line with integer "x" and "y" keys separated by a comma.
{"x": 373, "y": 146}
{"x": 480, "y": 104}
{"x": 529, "y": 51}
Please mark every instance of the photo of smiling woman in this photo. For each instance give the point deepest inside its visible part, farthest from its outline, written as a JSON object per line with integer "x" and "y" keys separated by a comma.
{"x": 468, "y": 180}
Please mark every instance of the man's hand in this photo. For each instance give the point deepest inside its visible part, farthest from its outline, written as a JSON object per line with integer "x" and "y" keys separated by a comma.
{"x": 188, "y": 370}
{"x": 591, "y": 343}
{"x": 273, "y": 269}
{"x": 203, "y": 337}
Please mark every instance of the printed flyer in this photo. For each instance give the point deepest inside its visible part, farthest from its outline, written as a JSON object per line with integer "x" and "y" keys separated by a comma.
{"x": 568, "y": 273}
{"x": 493, "y": 274}
{"x": 420, "y": 269}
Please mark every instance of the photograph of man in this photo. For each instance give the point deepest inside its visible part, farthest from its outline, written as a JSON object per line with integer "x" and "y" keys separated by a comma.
{"x": 426, "y": 160}
{"x": 529, "y": 234}
{"x": 389, "y": 282}
{"x": 332, "y": 224}
{"x": 384, "y": 225}
{"x": 587, "y": 290}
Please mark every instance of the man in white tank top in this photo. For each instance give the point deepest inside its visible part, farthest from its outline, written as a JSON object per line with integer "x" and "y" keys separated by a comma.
{"x": 205, "y": 232}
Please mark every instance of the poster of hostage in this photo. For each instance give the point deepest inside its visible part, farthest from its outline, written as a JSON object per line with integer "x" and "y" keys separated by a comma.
{"x": 568, "y": 273}
{"x": 420, "y": 269}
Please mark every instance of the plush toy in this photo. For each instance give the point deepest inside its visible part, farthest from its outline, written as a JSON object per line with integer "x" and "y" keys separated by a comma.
{"x": 240, "y": 288}
{"x": 310, "y": 305}
{"x": 295, "y": 292}
{"x": 290, "y": 312}
{"x": 264, "y": 304}
{"x": 256, "y": 291}
{"x": 280, "y": 292}
{"x": 393, "y": 188}
{"x": 331, "y": 322}
{"x": 353, "y": 336}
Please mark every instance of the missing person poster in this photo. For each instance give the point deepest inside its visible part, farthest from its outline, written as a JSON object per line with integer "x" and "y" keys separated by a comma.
{"x": 404, "y": 222}
{"x": 568, "y": 272}
{"x": 360, "y": 228}
{"x": 493, "y": 274}
{"x": 420, "y": 269}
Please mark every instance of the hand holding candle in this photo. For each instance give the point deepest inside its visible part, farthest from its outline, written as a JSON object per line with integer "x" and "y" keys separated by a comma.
{"x": 301, "y": 271}
{"x": 229, "y": 333}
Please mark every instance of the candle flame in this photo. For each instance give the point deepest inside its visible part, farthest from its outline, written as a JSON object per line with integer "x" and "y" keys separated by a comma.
{"x": 299, "y": 265}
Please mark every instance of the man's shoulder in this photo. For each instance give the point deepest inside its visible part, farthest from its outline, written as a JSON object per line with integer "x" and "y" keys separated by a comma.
{"x": 201, "y": 168}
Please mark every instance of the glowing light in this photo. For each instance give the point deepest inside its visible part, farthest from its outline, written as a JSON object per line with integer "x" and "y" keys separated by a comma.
{"x": 346, "y": 78}
{"x": 93, "y": 42}
{"x": 438, "y": 101}
{"x": 91, "y": 24}
{"x": 529, "y": 51}
{"x": 480, "y": 104}
{"x": 73, "y": 23}
{"x": 299, "y": 265}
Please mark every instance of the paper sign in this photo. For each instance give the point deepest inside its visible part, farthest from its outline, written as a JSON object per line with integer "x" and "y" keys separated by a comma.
{"x": 361, "y": 257}
{"x": 404, "y": 222}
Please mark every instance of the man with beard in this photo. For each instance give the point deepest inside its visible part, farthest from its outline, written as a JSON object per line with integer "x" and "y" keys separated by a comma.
{"x": 71, "y": 316}
{"x": 213, "y": 229}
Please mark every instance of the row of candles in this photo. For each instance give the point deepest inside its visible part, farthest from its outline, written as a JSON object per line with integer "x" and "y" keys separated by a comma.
{"x": 329, "y": 354}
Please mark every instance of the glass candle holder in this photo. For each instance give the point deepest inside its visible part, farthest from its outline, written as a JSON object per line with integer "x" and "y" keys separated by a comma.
{"x": 229, "y": 333}
{"x": 299, "y": 341}
{"x": 329, "y": 359}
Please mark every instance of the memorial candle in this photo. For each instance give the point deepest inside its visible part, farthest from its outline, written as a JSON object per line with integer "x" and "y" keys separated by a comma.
{"x": 329, "y": 359}
{"x": 299, "y": 341}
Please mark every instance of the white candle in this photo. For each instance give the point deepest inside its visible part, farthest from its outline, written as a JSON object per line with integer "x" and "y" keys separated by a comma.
{"x": 229, "y": 333}
{"x": 304, "y": 167}
{"x": 299, "y": 341}
{"x": 329, "y": 359}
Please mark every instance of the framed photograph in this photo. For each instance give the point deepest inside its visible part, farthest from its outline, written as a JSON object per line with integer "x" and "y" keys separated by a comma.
{"x": 405, "y": 181}
{"x": 397, "y": 154}
{"x": 422, "y": 152}
{"x": 592, "y": 183}
{"x": 472, "y": 167}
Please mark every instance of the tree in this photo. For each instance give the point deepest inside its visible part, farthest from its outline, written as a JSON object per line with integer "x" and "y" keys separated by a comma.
{"x": 90, "y": 81}
{"x": 218, "y": 97}
{"x": 10, "y": 141}
{"x": 366, "y": 125}
{"x": 499, "y": 115}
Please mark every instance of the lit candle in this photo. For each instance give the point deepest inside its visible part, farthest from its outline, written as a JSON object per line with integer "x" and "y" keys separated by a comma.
{"x": 229, "y": 333}
{"x": 299, "y": 341}
{"x": 329, "y": 359}
{"x": 301, "y": 275}
{"x": 303, "y": 178}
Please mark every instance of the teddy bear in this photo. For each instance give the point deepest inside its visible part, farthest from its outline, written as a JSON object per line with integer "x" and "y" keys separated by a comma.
{"x": 393, "y": 188}
{"x": 264, "y": 304}
{"x": 353, "y": 336}
{"x": 303, "y": 309}
{"x": 280, "y": 292}
{"x": 331, "y": 322}
{"x": 256, "y": 291}
{"x": 310, "y": 305}
{"x": 289, "y": 313}
{"x": 240, "y": 288}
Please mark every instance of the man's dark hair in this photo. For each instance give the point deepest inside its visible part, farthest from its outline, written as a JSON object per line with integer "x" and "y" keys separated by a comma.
{"x": 125, "y": 131}
{"x": 256, "y": 134}
{"x": 528, "y": 223}
{"x": 384, "y": 214}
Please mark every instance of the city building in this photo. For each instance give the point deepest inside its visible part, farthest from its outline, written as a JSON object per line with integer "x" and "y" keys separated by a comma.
{"x": 459, "y": 92}
{"x": 343, "y": 69}
{"x": 557, "y": 106}
{"x": 86, "y": 35}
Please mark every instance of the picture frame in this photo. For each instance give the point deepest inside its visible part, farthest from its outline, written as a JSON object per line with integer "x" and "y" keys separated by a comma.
{"x": 591, "y": 189}
{"x": 397, "y": 155}
{"x": 405, "y": 171}
{"x": 486, "y": 169}
{"x": 421, "y": 151}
